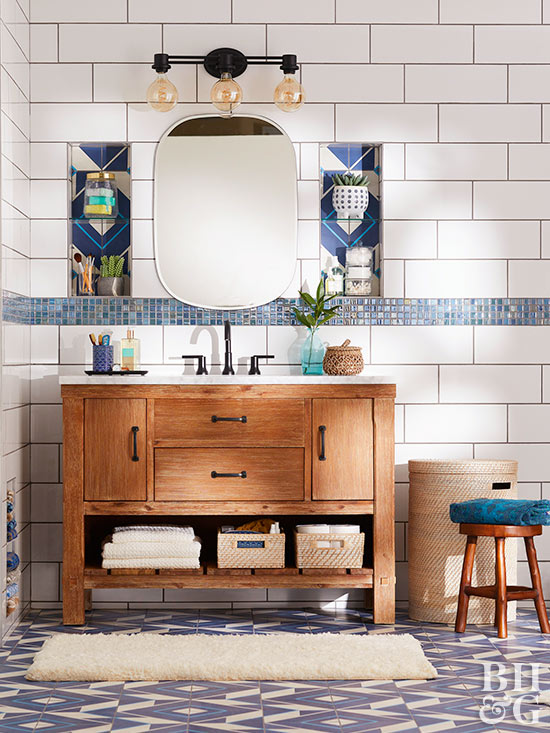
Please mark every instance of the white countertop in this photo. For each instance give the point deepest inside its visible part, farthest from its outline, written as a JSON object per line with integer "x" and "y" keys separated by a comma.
{"x": 184, "y": 379}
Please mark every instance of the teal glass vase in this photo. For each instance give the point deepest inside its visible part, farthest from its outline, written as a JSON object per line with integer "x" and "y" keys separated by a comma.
{"x": 313, "y": 351}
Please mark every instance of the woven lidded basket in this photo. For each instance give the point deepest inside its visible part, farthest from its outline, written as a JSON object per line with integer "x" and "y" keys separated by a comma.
{"x": 436, "y": 547}
{"x": 343, "y": 360}
{"x": 312, "y": 550}
{"x": 251, "y": 550}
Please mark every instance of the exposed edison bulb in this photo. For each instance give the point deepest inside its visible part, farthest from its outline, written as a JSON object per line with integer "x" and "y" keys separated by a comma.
{"x": 162, "y": 95}
{"x": 289, "y": 94}
{"x": 226, "y": 94}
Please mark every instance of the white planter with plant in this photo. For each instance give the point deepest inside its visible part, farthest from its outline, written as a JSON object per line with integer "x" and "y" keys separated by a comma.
{"x": 350, "y": 195}
{"x": 111, "y": 280}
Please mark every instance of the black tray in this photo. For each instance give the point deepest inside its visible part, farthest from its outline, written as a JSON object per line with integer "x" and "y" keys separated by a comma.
{"x": 120, "y": 373}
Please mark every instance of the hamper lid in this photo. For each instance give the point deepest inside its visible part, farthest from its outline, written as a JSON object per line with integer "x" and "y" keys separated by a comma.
{"x": 462, "y": 466}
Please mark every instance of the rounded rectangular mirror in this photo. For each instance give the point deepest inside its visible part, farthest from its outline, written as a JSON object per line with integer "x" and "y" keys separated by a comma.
{"x": 225, "y": 211}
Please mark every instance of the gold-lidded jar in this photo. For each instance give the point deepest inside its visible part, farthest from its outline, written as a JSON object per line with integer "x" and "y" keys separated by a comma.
{"x": 100, "y": 196}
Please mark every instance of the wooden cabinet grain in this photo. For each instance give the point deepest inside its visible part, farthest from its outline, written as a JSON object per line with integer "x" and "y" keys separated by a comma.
{"x": 342, "y": 456}
{"x": 229, "y": 423}
{"x": 212, "y": 474}
{"x": 114, "y": 437}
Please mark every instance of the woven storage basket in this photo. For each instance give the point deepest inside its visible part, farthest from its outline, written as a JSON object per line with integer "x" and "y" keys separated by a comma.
{"x": 310, "y": 555}
{"x": 436, "y": 548}
{"x": 343, "y": 360}
{"x": 251, "y": 550}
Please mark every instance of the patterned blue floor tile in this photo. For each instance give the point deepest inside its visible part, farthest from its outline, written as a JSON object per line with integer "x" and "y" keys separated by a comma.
{"x": 287, "y": 718}
{"x": 144, "y": 713}
{"x": 17, "y": 702}
{"x": 72, "y": 722}
{"x": 18, "y": 723}
{"x": 450, "y": 702}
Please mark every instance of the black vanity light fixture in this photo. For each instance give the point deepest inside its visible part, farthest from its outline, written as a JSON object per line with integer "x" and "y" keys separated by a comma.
{"x": 226, "y": 64}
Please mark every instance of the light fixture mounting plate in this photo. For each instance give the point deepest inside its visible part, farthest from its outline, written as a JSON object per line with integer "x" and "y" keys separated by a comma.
{"x": 214, "y": 62}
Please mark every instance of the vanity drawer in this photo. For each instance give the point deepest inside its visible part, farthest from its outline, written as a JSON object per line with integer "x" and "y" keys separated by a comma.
{"x": 192, "y": 474}
{"x": 229, "y": 423}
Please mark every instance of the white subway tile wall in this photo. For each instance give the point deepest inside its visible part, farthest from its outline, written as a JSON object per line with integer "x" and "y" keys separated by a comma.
{"x": 456, "y": 92}
{"x": 15, "y": 173}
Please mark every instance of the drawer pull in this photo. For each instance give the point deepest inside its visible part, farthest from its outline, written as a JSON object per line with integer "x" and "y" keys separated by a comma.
{"x": 215, "y": 474}
{"x": 323, "y": 430}
{"x": 135, "y": 431}
{"x": 215, "y": 418}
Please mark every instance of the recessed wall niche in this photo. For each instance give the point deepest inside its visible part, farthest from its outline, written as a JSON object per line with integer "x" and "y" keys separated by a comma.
{"x": 338, "y": 234}
{"x": 102, "y": 235}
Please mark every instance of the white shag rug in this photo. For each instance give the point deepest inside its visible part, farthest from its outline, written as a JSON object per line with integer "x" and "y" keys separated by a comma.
{"x": 147, "y": 656}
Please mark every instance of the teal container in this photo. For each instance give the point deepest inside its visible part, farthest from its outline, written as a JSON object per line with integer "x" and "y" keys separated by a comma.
{"x": 313, "y": 352}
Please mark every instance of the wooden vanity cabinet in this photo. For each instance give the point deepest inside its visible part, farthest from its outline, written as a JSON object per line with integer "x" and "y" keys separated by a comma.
{"x": 176, "y": 450}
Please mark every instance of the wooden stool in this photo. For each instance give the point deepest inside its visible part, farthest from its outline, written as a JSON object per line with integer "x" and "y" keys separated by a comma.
{"x": 500, "y": 592}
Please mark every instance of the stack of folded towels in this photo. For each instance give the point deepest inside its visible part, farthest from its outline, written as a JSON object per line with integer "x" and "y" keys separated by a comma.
{"x": 152, "y": 547}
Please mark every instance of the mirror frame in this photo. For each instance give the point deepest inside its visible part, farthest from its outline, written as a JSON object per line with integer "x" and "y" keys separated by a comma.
{"x": 165, "y": 134}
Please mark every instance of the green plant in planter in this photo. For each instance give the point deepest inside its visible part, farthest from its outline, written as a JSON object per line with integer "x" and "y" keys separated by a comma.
{"x": 315, "y": 313}
{"x": 349, "y": 179}
{"x": 111, "y": 266}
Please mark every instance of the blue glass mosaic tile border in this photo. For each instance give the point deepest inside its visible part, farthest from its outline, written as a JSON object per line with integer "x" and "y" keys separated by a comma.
{"x": 15, "y": 308}
{"x": 354, "y": 312}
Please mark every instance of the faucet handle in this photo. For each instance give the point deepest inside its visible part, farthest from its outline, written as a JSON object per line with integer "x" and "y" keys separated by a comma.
{"x": 201, "y": 368}
{"x": 254, "y": 362}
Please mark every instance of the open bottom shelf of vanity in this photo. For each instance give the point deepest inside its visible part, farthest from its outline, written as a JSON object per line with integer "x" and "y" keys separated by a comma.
{"x": 210, "y": 576}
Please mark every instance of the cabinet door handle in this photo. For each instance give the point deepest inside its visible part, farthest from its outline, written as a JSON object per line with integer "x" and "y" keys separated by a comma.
{"x": 323, "y": 430}
{"x": 215, "y": 474}
{"x": 135, "y": 431}
{"x": 215, "y": 418}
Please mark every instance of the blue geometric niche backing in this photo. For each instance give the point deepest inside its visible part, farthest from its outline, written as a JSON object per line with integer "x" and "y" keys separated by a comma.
{"x": 98, "y": 237}
{"x": 339, "y": 234}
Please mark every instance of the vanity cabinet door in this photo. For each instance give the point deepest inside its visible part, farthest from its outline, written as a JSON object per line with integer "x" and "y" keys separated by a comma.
{"x": 342, "y": 449}
{"x": 115, "y": 457}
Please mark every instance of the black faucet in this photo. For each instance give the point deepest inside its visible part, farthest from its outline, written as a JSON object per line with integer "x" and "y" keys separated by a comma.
{"x": 228, "y": 366}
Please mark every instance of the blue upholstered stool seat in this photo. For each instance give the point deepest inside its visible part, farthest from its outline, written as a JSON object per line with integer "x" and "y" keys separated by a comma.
{"x": 518, "y": 512}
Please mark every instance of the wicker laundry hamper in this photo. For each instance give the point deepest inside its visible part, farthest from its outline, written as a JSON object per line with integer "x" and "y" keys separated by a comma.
{"x": 436, "y": 549}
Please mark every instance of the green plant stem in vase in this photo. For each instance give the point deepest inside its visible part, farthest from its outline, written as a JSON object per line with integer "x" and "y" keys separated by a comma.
{"x": 315, "y": 313}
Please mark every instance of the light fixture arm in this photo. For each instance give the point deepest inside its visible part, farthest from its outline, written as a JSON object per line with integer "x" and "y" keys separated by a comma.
{"x": 225, "y": 60}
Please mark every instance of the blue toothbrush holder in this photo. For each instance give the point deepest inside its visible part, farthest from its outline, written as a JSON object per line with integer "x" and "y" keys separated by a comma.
{"x": 102, "y": 358}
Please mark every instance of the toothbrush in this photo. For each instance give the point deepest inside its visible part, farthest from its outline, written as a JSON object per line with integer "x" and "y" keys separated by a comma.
{"x": 87, "y": 287}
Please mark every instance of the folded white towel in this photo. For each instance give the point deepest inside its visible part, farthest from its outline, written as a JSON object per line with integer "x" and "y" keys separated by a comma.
{"x": 130, "y": 550}
{"x": 157, "y": 528}
{"x": 144, "y": 535}
{"x": 153, "y": 562}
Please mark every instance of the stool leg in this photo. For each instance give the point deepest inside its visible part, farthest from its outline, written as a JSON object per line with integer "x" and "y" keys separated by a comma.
{"x": 537, "y": 584}
{"x": 502, "y": 624}
{"x": 466, "y": 580}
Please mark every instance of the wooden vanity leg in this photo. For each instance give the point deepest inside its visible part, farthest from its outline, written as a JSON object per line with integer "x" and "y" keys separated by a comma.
{"x": 73, "y": 512}
{"x": 383, "y": 519}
